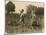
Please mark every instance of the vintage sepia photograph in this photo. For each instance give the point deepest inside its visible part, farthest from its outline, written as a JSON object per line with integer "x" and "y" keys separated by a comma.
{"x": 24, "y": 17}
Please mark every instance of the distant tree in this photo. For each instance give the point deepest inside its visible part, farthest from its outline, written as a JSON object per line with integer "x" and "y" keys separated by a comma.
{"x": 30, "y": 8}
{"x": 39, "y": 11}
{"x": 10, "y": 7}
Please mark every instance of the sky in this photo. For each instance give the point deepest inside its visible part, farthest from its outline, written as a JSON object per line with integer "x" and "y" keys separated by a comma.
{"x": 22, "y": 5}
